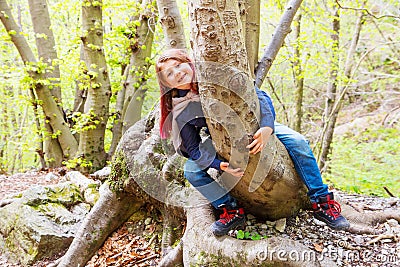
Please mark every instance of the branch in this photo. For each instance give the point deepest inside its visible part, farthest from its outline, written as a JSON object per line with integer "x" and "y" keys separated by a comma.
{"x": 279, "y": 36}
{"x": 366, "y": 11}
{"x": 13, "y": 31}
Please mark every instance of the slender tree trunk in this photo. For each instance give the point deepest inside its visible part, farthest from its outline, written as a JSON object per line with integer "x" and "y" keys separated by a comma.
{"x": 50, "y": 107}
{"x": 252, "y": 33}
{"x": 172, "y": 24}
{"x": 46, "y": 51}
{"x": 231, "y": 108}
{"x": 331, "y": 93}
{"x": 335, "y": 99}
{"x": 91, "y": 141}
{"x": 130, "y": 98}
{"x": 298, "y": 77}
{"x": 138, "y": 68}
{"x": 40, "y": 145}
{"x": 276, "y": 43}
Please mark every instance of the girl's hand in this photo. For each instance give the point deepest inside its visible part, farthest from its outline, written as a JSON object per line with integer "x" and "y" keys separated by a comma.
{"x": 260, "y": 140}
{"x": 235, "y": 172}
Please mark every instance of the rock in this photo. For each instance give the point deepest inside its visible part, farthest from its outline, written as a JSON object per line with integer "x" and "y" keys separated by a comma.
{"x": 280, "y": 225}
{"x": 42, "y": 221}
{"x": 393, "y": 223}
{"x": 250, "y": 217}
{"x": 101, "y": 174}
{"x": 50, "y": 176}
{"x": 147, "y": 221}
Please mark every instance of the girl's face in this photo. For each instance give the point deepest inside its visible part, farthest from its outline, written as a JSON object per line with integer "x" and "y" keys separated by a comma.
{"x": 176, "y": 74}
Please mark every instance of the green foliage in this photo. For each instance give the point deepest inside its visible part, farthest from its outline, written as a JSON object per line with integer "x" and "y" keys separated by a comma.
{"x": 84, "y": 121}
{"x": 249, "y": 236}
{"x": 77, "y": 162}
{"x": 366, "y": 163}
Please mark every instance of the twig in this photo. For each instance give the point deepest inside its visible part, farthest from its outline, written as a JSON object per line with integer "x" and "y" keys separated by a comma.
{"x": 366, "y": 11}
{"x": 5, "y": 202}
{"x": 376, "y": 239}
{"x": 150, "y": 241}
{"x": 387, "y": 191}
{"x": 145, "y": 259}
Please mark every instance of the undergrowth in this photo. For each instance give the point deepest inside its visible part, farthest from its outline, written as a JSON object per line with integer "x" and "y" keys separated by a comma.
{"x": 367, "y": 163}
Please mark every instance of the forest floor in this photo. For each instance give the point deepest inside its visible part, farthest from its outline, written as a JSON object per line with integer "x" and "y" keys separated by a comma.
{"x": 129, "y": 247}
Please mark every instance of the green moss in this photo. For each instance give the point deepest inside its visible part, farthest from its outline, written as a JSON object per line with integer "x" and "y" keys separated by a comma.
{"x": 119, "y": 172}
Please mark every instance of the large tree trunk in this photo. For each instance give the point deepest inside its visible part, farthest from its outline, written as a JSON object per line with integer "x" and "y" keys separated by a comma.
{"x": 94, "y": 121}
{"x": 231, "y": 107}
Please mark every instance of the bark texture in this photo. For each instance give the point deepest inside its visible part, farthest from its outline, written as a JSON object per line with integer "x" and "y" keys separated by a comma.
{"x": 91, "y": 141}
{"x": 299, "y": 77}
{"x": 130, "y": 98}
{"x": 50, "y": 108}
{"x": 47, "y": 54}
{"x": 109, "y": 212}
{"x": 231, "y": 108}
{"x": 279, "y": 36}
{"x": 172, "y": 24}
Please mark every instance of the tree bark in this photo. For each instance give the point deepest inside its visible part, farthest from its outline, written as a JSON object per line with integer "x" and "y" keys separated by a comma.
{"x": 131, "y": 97}
{"x": 252, "y": 33}
{"x": 109, "y": 212}
{"x": 47, "y": 54}
{"x": 172, "y": 24}
{"x": 91, "y": 141}
{"x": 298, "y": 78}
{"x": 231, "y": 108}
{"x": 280, "y": 34}
{"x": 50, "y": 108}
{"x": 334, "y": 98}
{"x": 329, "y": 117}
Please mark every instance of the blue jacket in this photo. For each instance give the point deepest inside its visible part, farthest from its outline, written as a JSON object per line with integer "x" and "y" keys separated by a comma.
{"x": 191, "y": 120}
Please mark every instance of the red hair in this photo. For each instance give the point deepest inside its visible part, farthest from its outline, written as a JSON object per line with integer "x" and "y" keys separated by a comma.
{"x": 166, "y": 92}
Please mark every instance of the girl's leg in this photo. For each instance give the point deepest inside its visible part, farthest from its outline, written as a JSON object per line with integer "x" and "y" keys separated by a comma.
{"x": 303, "y": 160}
{"x": 207, "y": 186}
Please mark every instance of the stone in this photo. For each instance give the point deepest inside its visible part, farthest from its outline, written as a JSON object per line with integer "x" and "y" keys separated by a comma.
{"x": 50, "y": 176}
{"x": 42, "y": 221}
{"x": 280, "y": 225}
{"x": 101, "y": 174}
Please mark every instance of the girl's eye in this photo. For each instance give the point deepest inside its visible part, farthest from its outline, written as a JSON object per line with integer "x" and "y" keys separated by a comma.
{"x": 178, "y": 66}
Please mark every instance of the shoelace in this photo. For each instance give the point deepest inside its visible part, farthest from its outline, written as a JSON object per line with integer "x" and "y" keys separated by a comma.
{"x": 227, "y": 216}
{"x": 333, "y": 209}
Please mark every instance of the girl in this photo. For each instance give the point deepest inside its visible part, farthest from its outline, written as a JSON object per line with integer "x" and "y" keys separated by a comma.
{"x": 182, "y": 119}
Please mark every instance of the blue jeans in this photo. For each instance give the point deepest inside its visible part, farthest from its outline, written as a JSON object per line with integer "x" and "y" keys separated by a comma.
{"x": 303, "y": 159}
{"x": 298, "y": 149}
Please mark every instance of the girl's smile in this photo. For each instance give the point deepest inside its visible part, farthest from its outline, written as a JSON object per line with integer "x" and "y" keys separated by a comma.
{"x": 176, "y": 74}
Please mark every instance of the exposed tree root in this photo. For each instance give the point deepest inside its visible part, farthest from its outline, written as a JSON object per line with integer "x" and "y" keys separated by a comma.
{"x": 173, "y": 258}
{"x": 363, "y": 222}
{"x": 209, "y": 250}
{"x": 109, "y": 212}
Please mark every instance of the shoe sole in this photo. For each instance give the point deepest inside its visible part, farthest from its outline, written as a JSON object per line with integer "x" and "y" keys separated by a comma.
{"x": 332, "y": 226}
{"x": 238, "y": 225}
